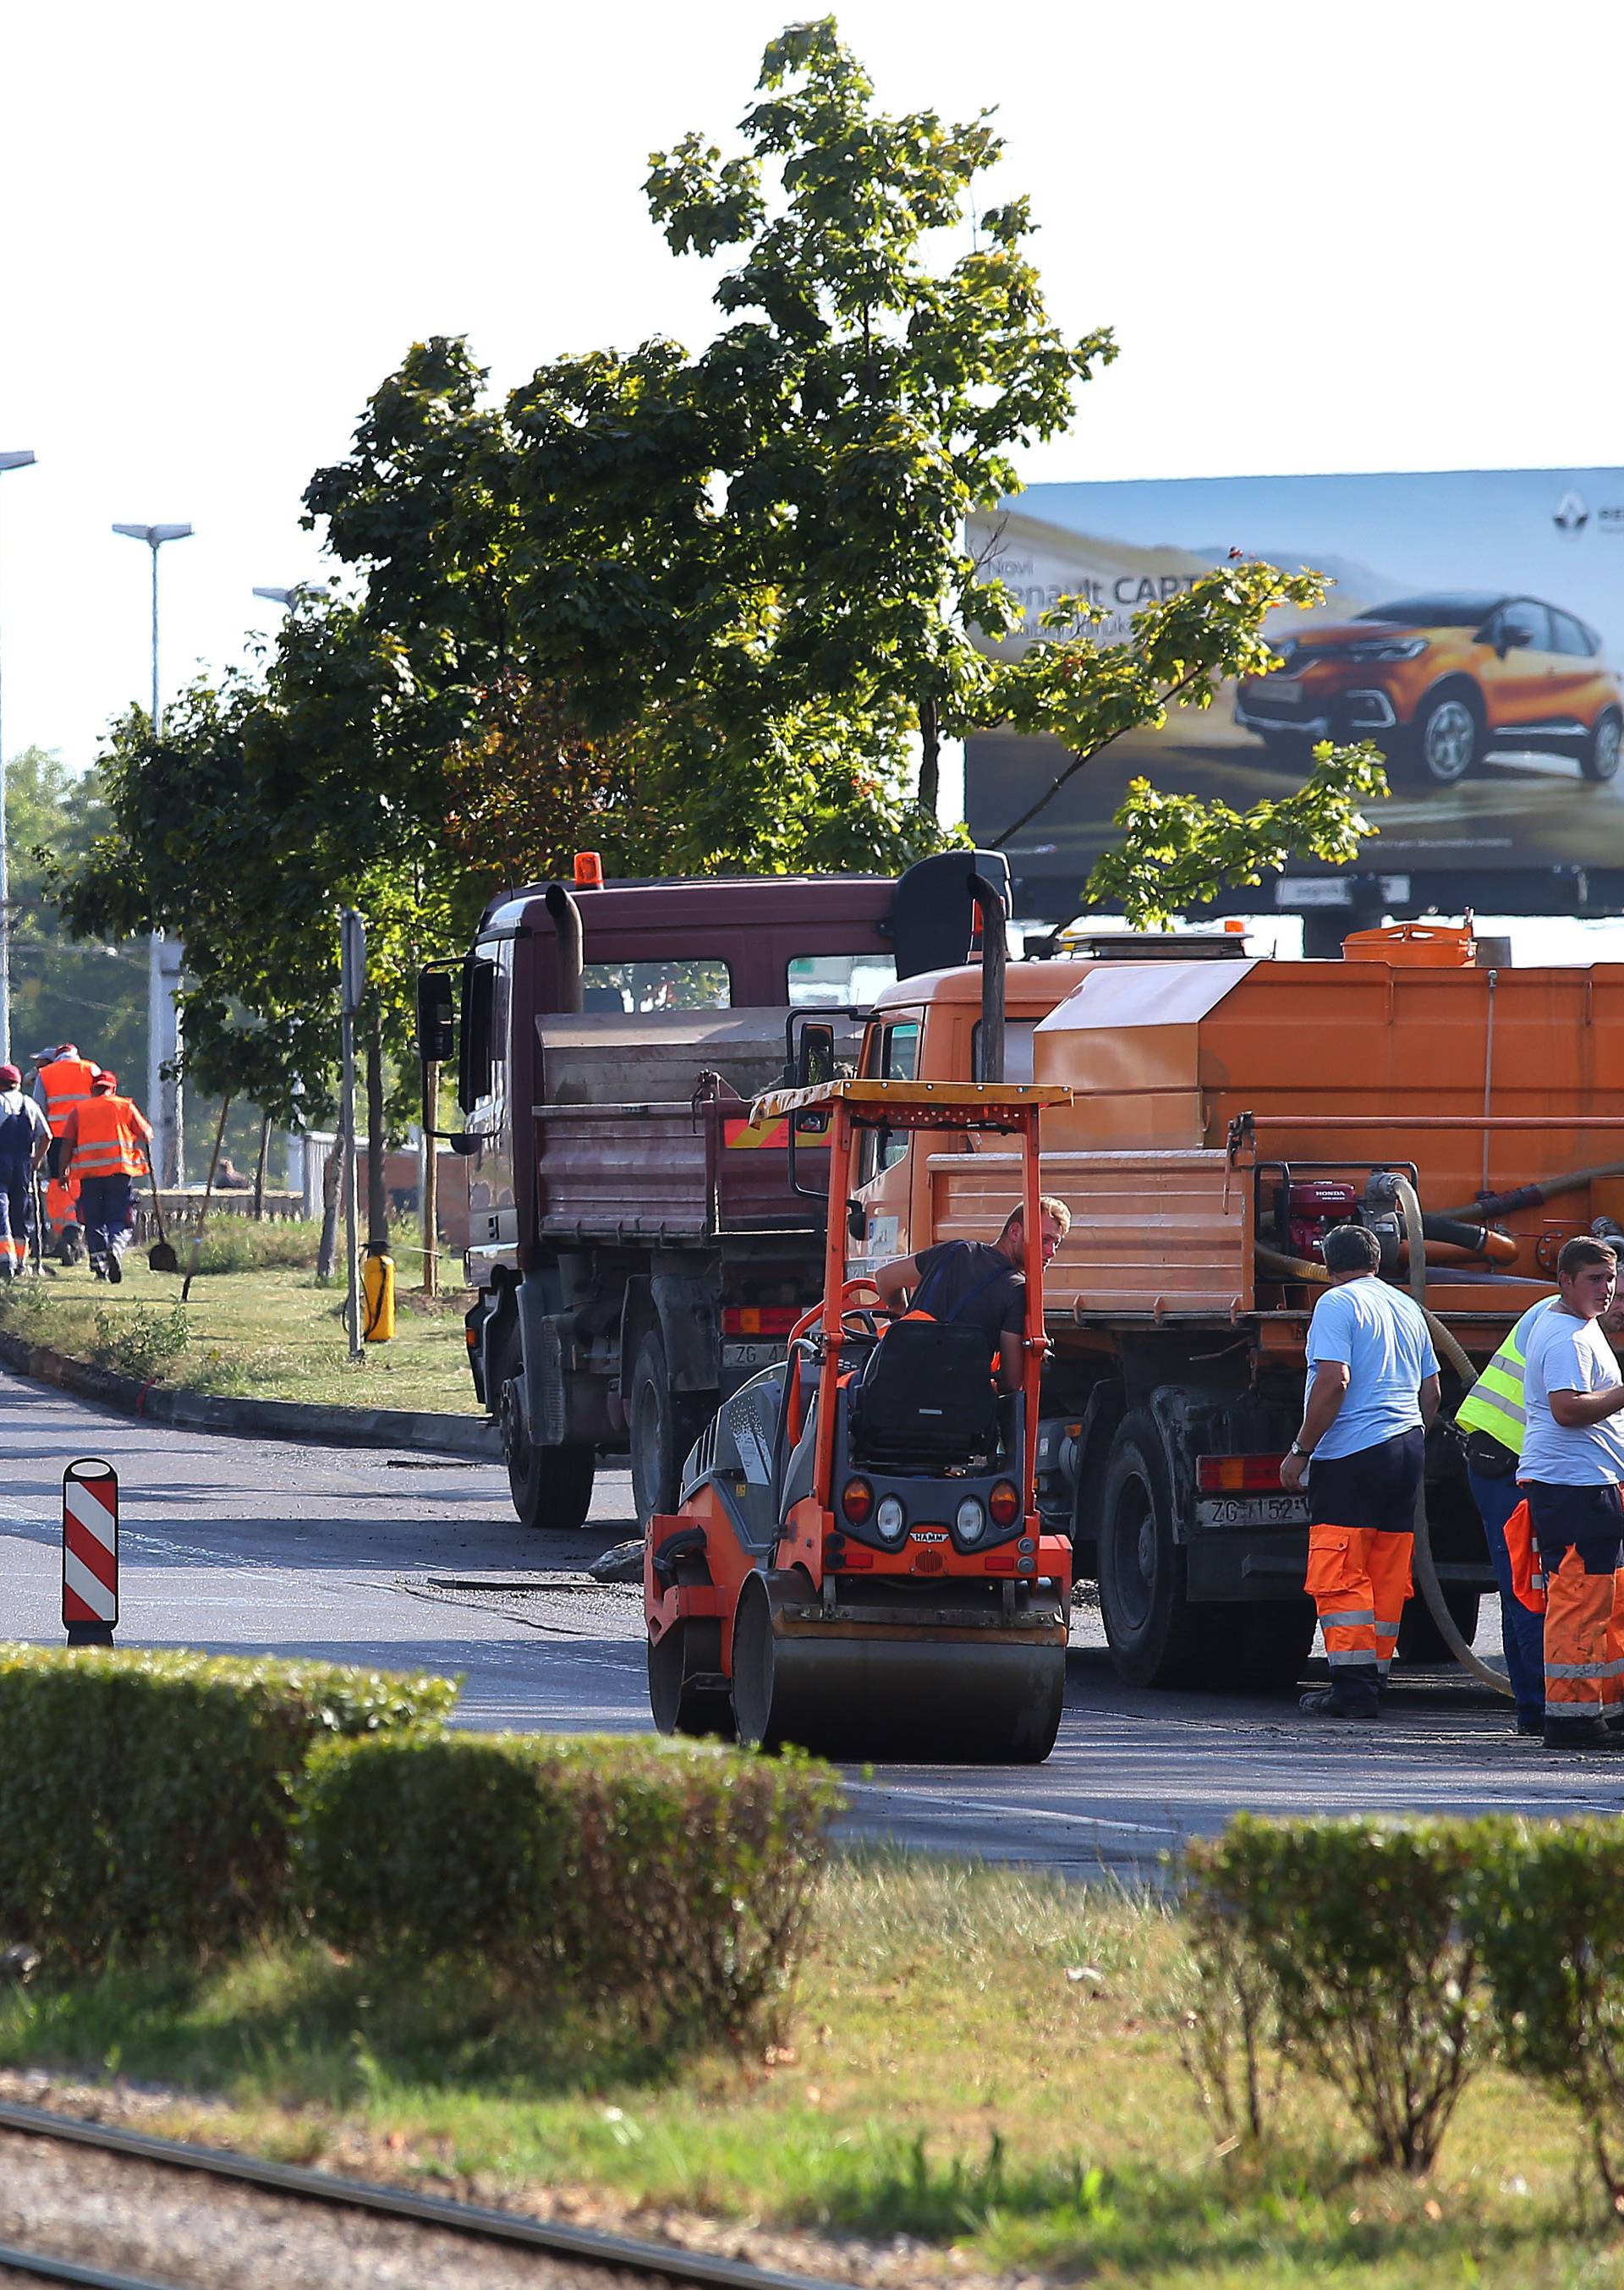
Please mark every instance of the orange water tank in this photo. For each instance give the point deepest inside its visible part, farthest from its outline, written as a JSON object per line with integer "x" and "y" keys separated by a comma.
{"x": 1414, "y": 946}
{"x": 1162, "y": 1055}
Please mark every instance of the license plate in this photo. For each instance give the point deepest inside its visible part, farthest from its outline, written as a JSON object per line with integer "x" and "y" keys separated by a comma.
{"x": 751, "y": 1355}
{"x": 1282, "y": 687}
{"x": 1227, "y": 1512}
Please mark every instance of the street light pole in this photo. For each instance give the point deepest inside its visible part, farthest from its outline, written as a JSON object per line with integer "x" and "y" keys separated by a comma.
{"x": 19, "y": 461}
{"x": 163, "y": 1096}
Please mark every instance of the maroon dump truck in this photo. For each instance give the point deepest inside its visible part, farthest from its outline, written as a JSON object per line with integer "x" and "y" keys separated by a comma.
{"x": 638, "y": 1248}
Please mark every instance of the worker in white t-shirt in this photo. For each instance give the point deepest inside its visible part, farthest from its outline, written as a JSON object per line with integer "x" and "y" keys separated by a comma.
{"x": 1570, "y": 1470}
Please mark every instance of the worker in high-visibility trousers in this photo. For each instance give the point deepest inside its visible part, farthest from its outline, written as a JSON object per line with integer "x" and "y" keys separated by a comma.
{"x": 25, "y": 1140}
{"x": 104, "y": 1144}
{"x": 1571, "y": 1472}
{"x": 1373, "y": 1389}
{"x": 1494, "y": 1417}
{"x": 62, "y": 1079}
{"x": 62, "y": 1217}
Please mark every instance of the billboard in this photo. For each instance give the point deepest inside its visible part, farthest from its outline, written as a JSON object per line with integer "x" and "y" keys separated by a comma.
{"x": 1474, "y": 632}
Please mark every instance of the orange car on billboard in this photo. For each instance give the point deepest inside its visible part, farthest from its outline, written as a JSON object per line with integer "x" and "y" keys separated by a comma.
{"x": 1438, "y": 682}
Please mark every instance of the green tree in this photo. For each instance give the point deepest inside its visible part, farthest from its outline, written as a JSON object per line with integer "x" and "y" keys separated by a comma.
{"x": 738, "y": 583}
{"x": 93, "y": 993}
{"x": 698, "y": 612}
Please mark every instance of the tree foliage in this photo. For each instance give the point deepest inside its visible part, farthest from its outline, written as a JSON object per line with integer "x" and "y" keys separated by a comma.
{"x": 698, "y": 612}
{"x": 93, "y": 993}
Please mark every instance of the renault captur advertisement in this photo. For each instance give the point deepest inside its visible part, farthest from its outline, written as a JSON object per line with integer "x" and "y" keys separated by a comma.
{"x": 1473, "y": 629}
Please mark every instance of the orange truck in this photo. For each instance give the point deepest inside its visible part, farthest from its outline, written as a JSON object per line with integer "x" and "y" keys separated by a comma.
{"x": 1225, "y": 1112}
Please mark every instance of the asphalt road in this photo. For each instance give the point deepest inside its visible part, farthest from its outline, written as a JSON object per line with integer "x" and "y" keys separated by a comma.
{"x": 238, "y": 1545}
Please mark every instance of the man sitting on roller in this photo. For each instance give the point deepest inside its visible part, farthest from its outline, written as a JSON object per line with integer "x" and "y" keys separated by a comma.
{"x": 977, "y": 1286}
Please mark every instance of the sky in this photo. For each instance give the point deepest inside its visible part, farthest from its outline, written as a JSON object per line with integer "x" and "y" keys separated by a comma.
{"x": 1326, "y": 241}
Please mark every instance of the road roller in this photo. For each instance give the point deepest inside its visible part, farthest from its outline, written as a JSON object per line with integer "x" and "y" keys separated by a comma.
{"x": 856, "y": 1565}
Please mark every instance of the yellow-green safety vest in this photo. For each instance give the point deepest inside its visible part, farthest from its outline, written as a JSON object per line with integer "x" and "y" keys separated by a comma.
{"x": 1494, "y": 1403}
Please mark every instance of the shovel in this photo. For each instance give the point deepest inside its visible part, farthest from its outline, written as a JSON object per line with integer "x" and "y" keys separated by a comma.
{"x": 160, "y": 1257}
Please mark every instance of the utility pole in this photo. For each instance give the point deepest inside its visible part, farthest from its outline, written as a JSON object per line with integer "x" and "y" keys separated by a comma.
{"x": 19, "y": 461}
{"x": 352, "y": 976}
{"x": 164, "y": 1102}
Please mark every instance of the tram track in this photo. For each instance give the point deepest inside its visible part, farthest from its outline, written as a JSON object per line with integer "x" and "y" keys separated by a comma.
{"x": 631, "y": 2259}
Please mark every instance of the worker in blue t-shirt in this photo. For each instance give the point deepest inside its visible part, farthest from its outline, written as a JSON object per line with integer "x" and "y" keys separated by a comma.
{"x": 1373, "y": 1389}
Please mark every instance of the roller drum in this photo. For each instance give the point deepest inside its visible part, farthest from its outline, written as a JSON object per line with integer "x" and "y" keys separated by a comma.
{"x": 934, "y": 1701}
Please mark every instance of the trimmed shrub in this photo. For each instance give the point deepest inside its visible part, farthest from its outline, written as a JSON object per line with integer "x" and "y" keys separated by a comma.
{"x": 1355, "y": 1928}
{"x": 146, "y": 1798}
{"x": 677, "y": 1879}
{"x": 1230, "y": 2042}
{"x": 1548, "y": 1904}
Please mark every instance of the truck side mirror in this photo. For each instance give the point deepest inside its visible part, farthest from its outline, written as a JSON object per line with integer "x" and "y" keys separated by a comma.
{"x": 478, "y": 1011}
{"x": 814, "y": 1066}
{"x": 814, "y": 1063}
{"x": 436, "y": 1025}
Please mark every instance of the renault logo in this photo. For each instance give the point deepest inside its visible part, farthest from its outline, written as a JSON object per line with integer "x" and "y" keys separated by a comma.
{"x": 1571, "y": 515}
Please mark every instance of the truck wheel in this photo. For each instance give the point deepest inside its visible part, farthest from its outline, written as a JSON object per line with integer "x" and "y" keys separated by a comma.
{"x": 551, "y": 1486}
{"x": 1419, "y": 1639}
{"x": 663, "y": 1427}
{"x": 1156, "y": 1636}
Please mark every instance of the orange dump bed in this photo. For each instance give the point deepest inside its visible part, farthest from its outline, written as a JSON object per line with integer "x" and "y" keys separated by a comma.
{"x": 1482, "y": 1079}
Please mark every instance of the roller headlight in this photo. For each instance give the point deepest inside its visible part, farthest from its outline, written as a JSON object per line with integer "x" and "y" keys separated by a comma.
{"x": 890, "y": 1519}
{"x": 970, "y": 1520}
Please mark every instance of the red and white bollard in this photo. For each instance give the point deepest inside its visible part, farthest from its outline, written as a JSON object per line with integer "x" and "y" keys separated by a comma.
{"x": 89, "y": 1551}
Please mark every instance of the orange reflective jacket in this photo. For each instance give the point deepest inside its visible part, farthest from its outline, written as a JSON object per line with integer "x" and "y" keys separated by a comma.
{"x": 107, "y": 1140}
{"x": 62, "y": 1201}
{"x": 66, "y": 1083}
{"x": 1527, "y": 1568}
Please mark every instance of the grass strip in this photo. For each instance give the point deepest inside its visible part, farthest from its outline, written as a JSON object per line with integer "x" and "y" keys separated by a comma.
{"x": 263, "y": 1329}
{"x": 985, "y": 2060}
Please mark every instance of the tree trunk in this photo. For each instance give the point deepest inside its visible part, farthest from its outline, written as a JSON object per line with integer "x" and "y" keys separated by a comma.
{"x": 259, "y": 1173}
{"x": 332, "y": 1177}
{"x": 431, "y": 1181}
{"x": 377, "y": 1175}
{"x": 930, "y": 756}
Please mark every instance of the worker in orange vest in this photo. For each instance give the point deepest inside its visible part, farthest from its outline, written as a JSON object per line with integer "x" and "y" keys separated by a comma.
{"x": 104, "y": 1143}
{"x": 24, "y": 1142}
{"x": 61, "y": 1080}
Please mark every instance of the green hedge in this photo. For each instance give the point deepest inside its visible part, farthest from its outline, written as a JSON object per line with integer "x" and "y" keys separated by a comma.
{"x": 1547, "y": 1905}
{"x": 145, "y": 1797}
{"x": 675, "y": 1878}
{"x": 1354, "y": 1931}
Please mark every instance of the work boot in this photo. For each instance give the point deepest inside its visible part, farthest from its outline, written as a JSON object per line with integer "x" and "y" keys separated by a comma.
{"x": 1530, "y": 1723}
{"x": 1580, "y": 1734}
{"x": 1341, "y": 1701}
{"x": 116, "y": 1271}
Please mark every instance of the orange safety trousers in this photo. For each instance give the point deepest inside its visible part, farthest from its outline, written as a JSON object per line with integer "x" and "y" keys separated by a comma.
{"x": 1358, "y": 1578}
{"x": 1584, "y": 1640}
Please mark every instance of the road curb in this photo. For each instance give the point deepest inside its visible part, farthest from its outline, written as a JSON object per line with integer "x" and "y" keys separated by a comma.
{"x": 254, "y": 1418}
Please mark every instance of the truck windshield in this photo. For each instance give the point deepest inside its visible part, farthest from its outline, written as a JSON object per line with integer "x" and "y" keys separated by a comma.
{"x": 838, "y": 982}
{"x": 678, "y": 984}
